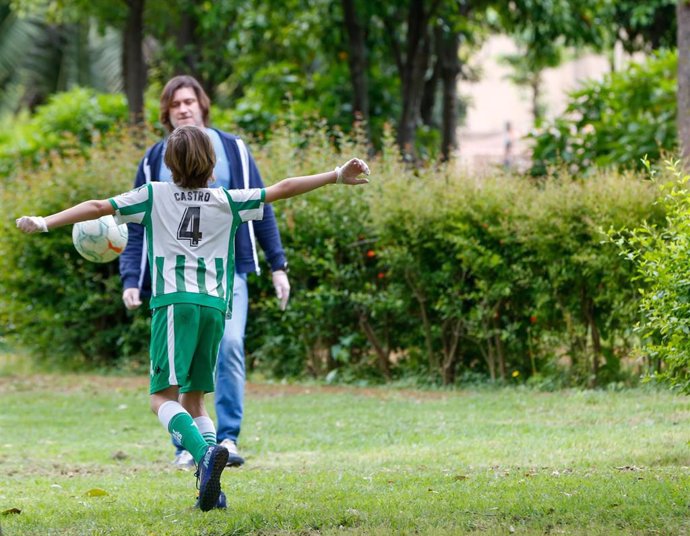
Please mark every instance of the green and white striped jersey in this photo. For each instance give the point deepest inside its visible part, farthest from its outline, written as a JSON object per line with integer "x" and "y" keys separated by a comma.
{"x": 190, "y": 237}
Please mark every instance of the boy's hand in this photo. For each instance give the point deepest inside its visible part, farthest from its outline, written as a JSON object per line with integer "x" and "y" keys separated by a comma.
{"x": 32, "y": 224}
{"x": 348, "y": 173}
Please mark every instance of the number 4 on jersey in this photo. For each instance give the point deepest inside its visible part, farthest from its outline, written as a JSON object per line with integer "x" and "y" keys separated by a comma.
{"x": 189, "y": 226}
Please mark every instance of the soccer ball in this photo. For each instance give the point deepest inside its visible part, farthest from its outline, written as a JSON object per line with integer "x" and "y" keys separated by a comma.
{"x": 100, "y": 240}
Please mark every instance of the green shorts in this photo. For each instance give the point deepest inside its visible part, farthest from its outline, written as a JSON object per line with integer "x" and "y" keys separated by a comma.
{"x": 184, "y": 346}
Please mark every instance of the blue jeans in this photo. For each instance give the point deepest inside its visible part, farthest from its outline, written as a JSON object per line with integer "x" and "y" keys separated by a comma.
{"x": 229, "y": 394}
{"x": 230, "y": 365}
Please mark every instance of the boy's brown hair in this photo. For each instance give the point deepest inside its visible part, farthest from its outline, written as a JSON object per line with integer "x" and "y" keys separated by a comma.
{"x": 179, "y": 82}
{"x": 190, "y": 157}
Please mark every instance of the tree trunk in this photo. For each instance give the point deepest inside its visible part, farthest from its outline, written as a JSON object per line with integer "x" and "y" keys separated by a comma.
{"x": 429, "y": 97}
{"x": 84, "y": 61}
{"x": 414, "y": 67}
{"x": 413, "y": 85}
{"x": 490, "y": 355}
{"x": 452, "y": 329}
{"x": 500, "y": 353}
{"x": 449, "y": 43}
{"x": 428, "y": 337}
{"x": 357, "y": 61}
{"x": 186, "y": 43}
{"x": 535, "y": 86}
{"x": 448, "y": 372}
{"x": 683, "y": 17}
{"x": 596, "y": 339}
{"x": 133, "y": 65}
{"x": 381, "y": 352}
{"x": 574, "y": 341}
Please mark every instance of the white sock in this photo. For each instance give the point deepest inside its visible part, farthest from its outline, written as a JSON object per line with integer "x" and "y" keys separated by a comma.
{"x": 168, "y": 410}
{"x": 207, "y": 429}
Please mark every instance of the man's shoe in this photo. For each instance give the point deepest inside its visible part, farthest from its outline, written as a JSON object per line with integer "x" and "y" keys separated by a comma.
{"x": 184, "y": 460}
{"x": 234, "y": 458}
{"x": 208, "y": 476}
{"x": 222, "y": 503}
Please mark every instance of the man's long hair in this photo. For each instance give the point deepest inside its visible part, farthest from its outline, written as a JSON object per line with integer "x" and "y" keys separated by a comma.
{"x": 179, "y": 82}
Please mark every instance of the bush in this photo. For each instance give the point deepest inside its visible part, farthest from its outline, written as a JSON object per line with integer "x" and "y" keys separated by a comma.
{"x": 659, "y": 255}
{"x": 329, "y": 240}
{"x": 614, "y": 123}
{"x": 70, "y": 121}
{"x": 436, "y": 274}
{"x": 426, "y": 273}
{"x": 507, "y": 276}
{"x": 60, "y": 306}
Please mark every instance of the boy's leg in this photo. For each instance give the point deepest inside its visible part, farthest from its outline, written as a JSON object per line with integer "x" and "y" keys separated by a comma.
{"x": 174, "y": 338}
{"x": 193, "y": 402}
{"x": 207, "y": 429}
{"x": 178, "y": 422}
{"x": 184, "y": 346}
{"x": 210, "y": 459}
{"x": 200, "y": 381}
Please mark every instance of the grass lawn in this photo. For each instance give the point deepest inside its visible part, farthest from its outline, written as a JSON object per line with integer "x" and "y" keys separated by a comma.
{"x": 82, "y": 455}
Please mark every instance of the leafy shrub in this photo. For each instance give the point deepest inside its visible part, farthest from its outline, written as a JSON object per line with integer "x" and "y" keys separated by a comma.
{"x": 69, "y": 121}
{"x": 615, "y": 122}
{"x": 659, "y": 254}
{"x": 425, "y": 273}
{"x": 440, "y": 275}
{"x": 508, "y": 276}
{"x": 62, "y": 307}
{"x": 336, "y": 288}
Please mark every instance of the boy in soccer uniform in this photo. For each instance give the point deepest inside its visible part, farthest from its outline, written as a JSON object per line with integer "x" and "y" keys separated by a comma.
{"x": 190, "y": 233}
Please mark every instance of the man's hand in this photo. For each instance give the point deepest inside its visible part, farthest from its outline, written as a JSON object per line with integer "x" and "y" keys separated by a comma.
{"x": 348, "y": 173}
{"x": 131, "y": 298}
{"x": 282, "y": 286}
{"x": 32, "y": 224}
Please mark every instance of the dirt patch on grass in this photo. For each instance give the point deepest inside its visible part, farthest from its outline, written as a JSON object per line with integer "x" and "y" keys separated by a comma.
{"x": 260, "y": 390}
{"x": 65, "y": 383}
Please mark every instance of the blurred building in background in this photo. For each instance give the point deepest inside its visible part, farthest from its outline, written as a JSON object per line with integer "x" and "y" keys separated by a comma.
{"x": 495, "y": 102}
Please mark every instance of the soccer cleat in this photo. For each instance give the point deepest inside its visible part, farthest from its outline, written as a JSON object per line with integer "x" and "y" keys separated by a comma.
{"x": 234, "y": 458}
{"x": 208, "y": 476}
{"x": 184, "y": 460}
{"x": 222, "y": 503}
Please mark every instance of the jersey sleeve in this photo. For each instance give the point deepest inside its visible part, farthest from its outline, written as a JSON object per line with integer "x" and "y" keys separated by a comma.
{"x": 247, "y": 204}
{"x": 132, "y": 206}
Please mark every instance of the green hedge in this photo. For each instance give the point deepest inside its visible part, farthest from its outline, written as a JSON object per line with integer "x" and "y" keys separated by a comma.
{"x": 439, "y": 275}
{"x": 56, "y": 304}
{"x": 426, "y": 274}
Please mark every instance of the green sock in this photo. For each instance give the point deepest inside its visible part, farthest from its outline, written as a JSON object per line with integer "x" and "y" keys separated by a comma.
{"x": 207, "y": 429}
{"x": 183, "y": 428}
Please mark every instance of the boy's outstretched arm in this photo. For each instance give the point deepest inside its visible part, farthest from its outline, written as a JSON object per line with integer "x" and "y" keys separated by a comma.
{"x": 88, "y": 210}
{"x": 293, "y": 186}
